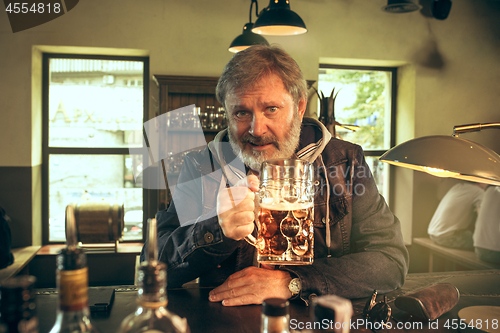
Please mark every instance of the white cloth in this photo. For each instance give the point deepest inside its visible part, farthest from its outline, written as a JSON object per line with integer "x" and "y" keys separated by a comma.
{"x": 487, "y": 231}
{"x": 457, "y": 210}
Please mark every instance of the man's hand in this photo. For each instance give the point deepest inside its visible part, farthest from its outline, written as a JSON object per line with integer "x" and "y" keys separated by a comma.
{"x": 252, "y": 285}
{"x": 235, "y": 208}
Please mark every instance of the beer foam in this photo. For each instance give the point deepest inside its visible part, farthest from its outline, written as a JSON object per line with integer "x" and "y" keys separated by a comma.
{"x": 285, "y": 206}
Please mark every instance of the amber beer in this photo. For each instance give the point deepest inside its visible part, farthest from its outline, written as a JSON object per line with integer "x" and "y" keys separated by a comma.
{"x": 285, "y": 234}
{"x": 284, "y": 213}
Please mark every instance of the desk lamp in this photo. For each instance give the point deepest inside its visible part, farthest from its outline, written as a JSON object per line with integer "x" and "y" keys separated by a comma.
{"x": 449, "y": 156}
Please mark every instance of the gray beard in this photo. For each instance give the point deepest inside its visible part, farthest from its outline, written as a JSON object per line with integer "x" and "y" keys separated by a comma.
{"x": 286, "y": 148}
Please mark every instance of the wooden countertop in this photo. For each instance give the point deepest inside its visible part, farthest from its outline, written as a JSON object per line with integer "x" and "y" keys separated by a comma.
{"x": 22, "y": 256}
{"x": 123, "y": 248}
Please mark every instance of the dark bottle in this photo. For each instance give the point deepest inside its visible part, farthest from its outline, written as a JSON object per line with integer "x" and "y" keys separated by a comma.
{"x": 275, "y": 317}
{"x": 17, "y": 305}
{"x": 73, "y": 313}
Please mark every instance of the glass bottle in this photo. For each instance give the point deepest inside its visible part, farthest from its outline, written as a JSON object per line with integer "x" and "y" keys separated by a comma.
{"x": 73, "y": 313}
{"x": 222, "y": 118}
{"x": 275, "y": 317}
{"x": 333, "y": 312}
{"x": 190, "y": 119}
{"x": 151, "y": 315}
{"x": 196, "y": 118}
{"x": 17, "y": 305}
{"x": 210, "y": 110}
{"x": 204, "y": 118}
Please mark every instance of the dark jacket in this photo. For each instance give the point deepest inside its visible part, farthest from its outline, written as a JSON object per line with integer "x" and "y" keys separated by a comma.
{"x": 364, "y": 250}
{"x": 6, "y": 257}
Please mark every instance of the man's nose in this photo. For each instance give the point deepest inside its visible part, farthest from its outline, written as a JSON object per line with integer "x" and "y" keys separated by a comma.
{"x": 258, "y": 127}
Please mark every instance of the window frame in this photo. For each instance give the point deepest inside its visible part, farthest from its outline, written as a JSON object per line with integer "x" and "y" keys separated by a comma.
{"x": 393, "y": 91}
{"x": 47, "y": 151}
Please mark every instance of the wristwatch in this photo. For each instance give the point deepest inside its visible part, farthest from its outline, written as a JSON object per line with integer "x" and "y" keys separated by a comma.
{"x": 295, "y": 286}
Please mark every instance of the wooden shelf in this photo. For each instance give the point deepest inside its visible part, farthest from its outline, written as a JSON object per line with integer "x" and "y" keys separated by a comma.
{"x": 452, "y": 257}
{"x": 175, "y": 92}
{"x": 187, "y": 130}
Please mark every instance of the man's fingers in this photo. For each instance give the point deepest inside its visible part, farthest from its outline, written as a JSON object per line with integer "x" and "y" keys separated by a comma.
{"x": 245, "y": 203}
{"x": 234, "y": 280}
{"x": 241, "y": 224}
{"x": 251, "y": 286}
{"x": 232, "y": 296}
{"x": 240, "y": 231}
{"x": 242, "y": 300}
{"x": 251, "y": 181}
{"x": 237, "y": 193}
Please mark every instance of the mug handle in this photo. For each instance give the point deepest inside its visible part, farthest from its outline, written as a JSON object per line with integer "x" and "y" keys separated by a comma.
{"x": 251, "y": 240}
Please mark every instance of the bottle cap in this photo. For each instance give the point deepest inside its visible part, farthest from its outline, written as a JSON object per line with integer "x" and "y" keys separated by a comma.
{"x": 334, "y": 308}
{"x": 275, "y": 307}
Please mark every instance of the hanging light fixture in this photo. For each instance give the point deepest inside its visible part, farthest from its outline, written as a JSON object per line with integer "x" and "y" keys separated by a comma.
{"x": 278, "y": 20}
{"x": 449, "y": 156}
{"x": 401, "y": 6}
{"x": 247, "y": 38}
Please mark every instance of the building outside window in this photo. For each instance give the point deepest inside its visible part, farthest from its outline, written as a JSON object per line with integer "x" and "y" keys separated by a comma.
{"x": 93, "y": 109}
{"x": 365, "y": 102}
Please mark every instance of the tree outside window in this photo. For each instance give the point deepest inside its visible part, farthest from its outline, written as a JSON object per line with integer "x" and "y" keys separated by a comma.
{"x": 365, "y": 99}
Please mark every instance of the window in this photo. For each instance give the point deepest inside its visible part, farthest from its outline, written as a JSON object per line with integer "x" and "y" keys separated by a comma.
{"x": 92, "y": 109}
{"x": 365, "y": 99}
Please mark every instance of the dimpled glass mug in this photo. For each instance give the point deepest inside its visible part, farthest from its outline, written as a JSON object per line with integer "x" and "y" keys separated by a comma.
{"x": 284, "y": 220}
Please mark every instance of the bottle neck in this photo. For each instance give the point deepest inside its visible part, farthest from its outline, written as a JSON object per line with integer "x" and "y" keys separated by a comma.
{"x": 152, "y": 283}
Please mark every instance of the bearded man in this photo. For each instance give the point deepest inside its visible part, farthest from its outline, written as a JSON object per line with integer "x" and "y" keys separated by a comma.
{"x": 358, "y": 241}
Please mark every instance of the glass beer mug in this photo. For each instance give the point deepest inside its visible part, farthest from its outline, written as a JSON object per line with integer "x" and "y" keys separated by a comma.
{"x": 284, "y": 221}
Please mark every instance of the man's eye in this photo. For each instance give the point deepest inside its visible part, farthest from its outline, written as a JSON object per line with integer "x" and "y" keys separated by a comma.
{"x": 241, "y": 114}
{"x": 272, "y": 109}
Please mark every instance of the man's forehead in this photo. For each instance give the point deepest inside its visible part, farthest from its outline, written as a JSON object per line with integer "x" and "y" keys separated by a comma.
{"x": 269, "y": 81}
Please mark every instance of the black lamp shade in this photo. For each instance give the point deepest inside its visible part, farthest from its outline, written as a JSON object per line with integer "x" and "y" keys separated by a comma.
{"x": 447, "y": 156}
{"x": 401, "y": 6}
{"x": 278, "y": 20}
{"x": 246, "y": 39}
{"x": 441, "y": 9}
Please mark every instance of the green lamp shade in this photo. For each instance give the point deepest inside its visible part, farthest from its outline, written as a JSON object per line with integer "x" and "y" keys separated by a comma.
{"x": 447, "y": 156}
{"x": 246, "y": 39}
{"x": 278, "y": 20}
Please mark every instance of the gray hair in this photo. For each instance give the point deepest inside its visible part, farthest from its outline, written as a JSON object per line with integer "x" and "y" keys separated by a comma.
{"x": 247, "y": 67}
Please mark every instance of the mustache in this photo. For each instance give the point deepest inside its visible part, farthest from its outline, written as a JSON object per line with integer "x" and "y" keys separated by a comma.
{"x": 260, "y": 141}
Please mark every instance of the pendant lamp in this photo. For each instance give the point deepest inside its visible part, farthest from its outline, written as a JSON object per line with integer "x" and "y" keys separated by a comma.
{"x": 247, "y": 38}
{"x": 278, "y": 19}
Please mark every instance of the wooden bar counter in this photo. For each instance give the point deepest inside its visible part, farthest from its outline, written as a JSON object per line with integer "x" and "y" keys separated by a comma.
{"x": 476, "y": 288}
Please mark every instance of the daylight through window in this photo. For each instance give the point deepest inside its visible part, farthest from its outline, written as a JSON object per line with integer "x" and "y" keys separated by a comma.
{"x": 365, "y": 108}
{"x": 93, "y": 108}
